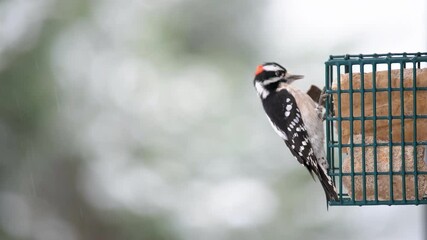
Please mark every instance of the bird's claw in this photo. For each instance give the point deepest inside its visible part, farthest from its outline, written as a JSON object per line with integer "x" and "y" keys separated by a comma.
{"x": 322, "y": 104}
{"x": 323, "y": 97}
{"x": 321, "y": 112}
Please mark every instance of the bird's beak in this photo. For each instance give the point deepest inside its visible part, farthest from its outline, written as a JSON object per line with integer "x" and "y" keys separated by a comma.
{"x": 292, "y": 77}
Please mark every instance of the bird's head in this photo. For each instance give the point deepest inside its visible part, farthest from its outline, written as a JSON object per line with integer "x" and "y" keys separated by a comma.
{"x": 268, "y": 77}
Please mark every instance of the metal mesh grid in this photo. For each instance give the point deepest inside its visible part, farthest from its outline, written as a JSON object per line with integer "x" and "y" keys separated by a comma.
{"x": 337, "y": 149}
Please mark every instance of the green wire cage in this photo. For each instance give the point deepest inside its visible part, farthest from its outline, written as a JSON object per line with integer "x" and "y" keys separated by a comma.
{"x": 376, "y": 128}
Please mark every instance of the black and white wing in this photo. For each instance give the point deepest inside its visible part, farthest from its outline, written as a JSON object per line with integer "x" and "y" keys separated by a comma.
{"x": 286, "y": 119}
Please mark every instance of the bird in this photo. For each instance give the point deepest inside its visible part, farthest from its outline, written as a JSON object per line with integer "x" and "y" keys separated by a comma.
{"x": 297, "y": 119}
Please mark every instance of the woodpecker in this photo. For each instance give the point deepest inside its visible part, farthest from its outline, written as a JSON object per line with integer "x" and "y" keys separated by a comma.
{"x": 296, "y": 118}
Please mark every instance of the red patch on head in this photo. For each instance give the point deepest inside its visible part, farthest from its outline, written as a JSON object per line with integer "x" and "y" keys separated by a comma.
{"x": 259, "y": 69}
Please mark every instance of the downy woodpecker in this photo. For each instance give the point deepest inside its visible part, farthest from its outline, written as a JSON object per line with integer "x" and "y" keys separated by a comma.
{"x": 296, "y": 118}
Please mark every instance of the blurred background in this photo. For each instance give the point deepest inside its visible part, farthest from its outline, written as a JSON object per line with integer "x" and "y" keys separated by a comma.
{"x": 138, "y": 119}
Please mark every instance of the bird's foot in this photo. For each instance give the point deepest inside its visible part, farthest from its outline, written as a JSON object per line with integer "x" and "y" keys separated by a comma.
{"x": 321, "y": 112}
{"x": 322, "y": 103}
{"x": 323, "y": 97}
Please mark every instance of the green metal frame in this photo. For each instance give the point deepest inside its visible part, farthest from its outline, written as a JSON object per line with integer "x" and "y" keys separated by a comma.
{"x": 334, "y": 67}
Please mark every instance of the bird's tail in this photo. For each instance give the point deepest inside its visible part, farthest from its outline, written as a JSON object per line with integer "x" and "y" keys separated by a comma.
{"x": 327, "y": 184}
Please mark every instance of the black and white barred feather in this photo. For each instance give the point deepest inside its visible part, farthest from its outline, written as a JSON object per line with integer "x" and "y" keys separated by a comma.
{"x": 285, "y": 117}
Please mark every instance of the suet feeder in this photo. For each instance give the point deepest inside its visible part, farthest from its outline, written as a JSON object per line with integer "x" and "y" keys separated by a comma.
{"x": 376, "y": 128}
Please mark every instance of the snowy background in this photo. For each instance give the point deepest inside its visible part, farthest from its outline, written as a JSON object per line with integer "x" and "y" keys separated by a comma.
{"x": 138, "y": 119}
